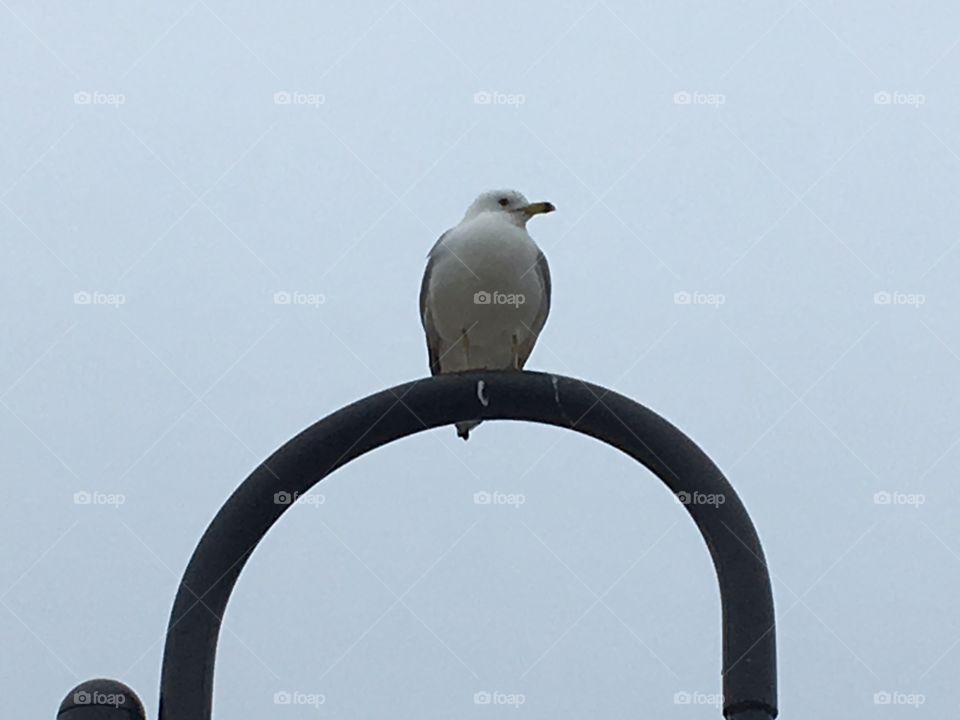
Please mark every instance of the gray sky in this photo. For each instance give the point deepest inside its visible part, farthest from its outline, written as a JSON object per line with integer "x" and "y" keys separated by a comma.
{"x": 756, "y": 237}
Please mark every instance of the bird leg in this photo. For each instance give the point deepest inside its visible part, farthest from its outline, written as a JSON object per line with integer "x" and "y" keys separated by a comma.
{"x": 515, "y": 351}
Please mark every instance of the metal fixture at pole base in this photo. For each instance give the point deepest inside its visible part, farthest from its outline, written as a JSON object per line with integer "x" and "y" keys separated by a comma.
{"x": 752, "y": 713}
{"x": 749, "y": 647}
{"x": 101, "y": 699}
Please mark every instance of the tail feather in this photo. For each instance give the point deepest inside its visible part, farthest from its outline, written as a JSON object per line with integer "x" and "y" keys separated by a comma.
{"x": 464, "y": 428}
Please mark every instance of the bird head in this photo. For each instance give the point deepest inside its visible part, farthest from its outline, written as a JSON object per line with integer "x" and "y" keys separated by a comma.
{"x": 511, "y": 203}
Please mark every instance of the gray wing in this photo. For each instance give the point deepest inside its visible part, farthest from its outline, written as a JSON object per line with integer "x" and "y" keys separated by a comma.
{"x": 542, "y": 271}
{"x": 433, "y": 340}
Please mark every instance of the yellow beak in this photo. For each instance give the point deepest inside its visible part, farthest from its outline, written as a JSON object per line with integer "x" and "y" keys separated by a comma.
{"x": 537, "y": 208}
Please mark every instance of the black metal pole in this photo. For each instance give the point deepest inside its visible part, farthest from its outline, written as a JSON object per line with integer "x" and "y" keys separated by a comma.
{"x": 101, "y": 699}
{"x": 749, "y": 647}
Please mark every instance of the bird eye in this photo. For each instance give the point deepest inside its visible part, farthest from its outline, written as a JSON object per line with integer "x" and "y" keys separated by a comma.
{"x": 503, "y": 202}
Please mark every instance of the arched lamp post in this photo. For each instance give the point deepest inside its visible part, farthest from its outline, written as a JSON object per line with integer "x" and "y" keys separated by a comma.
{"x": 749, "y": 646}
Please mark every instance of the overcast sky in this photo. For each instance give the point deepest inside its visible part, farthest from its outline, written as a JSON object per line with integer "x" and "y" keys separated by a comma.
{"x": 756, "y": 237}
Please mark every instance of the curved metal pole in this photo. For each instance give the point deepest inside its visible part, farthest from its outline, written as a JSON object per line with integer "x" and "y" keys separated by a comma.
{"x": 101, "y": 699}
{"x": 749, "y": 648}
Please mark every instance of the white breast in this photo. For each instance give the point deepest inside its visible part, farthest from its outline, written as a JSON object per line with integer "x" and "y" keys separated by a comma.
{"x": 484, "y": 281}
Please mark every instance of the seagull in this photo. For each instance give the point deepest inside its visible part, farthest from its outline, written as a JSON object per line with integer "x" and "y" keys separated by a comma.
{"x": 485, "y": 293}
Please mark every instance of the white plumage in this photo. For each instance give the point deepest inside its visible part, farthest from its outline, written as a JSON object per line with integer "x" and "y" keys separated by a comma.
{"x": 485, "y": 294}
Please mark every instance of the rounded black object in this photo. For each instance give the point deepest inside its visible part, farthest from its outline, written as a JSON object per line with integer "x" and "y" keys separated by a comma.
{"x": 101, "y": 699}
{"x": 749, "y": 646}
